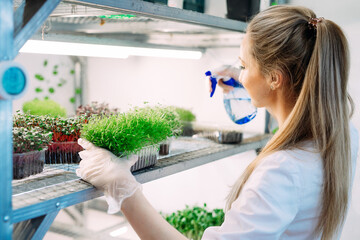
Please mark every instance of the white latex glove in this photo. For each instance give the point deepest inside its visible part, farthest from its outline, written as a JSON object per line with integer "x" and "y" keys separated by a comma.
{"x": 108, "y": 173}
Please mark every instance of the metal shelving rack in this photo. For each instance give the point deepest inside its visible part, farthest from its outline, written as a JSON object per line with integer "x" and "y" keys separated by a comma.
{"x": 33, "y": 210}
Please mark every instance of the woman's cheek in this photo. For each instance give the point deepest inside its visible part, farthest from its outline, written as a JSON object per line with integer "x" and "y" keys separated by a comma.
{"x": 242, "y": 77}
{"x": 247, "y": 86}
{"x": 244, "y": 81}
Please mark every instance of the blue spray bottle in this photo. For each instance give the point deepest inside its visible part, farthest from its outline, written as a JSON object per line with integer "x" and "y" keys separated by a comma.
{"x": 237, "y": 102}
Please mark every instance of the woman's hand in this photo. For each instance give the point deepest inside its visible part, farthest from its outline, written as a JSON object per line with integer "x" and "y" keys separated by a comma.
{"x": 228, "y": 71}
{"x": 108, "y": 173}
{"x": 225, "y": 71}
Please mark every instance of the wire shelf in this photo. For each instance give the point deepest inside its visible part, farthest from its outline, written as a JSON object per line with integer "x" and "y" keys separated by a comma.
{"x": 59, "y": 187}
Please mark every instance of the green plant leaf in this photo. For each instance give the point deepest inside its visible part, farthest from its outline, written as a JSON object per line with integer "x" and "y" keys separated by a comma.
{"x": 51, "y": 90}
{"x": 72, "y": 71}
{"x": 38, "y": 90}
{"x": 72, "y": 99}
{"x": 78, "y": 91}
{"x": 275, "y": 130}
{"x": 39, "y": 77}
{"x": 45, "y": 63}
{"x": 55, "y": 72}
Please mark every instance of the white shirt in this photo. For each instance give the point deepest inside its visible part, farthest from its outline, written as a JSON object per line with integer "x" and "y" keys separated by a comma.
{"x": 281, "y": 199}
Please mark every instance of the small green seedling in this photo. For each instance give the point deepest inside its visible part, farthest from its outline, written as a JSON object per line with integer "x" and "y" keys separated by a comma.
{"x": 44, "y": 107}
{"x": 126, "y": 133}
{"x": 192, "y": 222}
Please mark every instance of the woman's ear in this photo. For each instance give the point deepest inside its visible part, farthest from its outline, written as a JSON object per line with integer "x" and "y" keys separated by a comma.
{"x": 276, "y": 80}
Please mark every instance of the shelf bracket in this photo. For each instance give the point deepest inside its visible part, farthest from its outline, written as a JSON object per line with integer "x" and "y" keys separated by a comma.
{"x": 34, "y": 228}
{"x": 28, "y": 18}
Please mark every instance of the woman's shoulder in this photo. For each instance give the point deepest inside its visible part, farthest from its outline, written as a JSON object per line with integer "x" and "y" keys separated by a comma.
{"x": 294, "y": 159}
{"x": 302, "y": 166}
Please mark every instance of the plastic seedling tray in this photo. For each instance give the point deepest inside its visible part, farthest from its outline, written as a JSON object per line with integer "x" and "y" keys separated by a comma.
{"x": 165, "y": 147}
{"x": 228, "y": 137}
{"x": 147, "y": 157}
{"x": 224, "y": 137}
{"x": 187, "y": 129}
{"x": 63, "y": 153}
{"x": 29, "y": 163}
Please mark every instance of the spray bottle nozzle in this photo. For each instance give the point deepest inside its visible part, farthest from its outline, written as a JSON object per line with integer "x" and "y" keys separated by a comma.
{"x": 213, "y": 82}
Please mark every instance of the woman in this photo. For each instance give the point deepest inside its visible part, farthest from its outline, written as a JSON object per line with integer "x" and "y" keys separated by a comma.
{"x": 295, "y": 65}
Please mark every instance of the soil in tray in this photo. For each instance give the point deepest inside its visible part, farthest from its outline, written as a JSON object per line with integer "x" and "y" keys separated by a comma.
{"x": 164, "y": 149}
{"x": 26, "y": 164}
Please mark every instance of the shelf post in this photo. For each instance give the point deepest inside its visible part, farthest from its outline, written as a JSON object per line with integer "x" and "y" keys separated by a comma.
{"x": 10, "y": 43}
{"x": 6, "y": 46}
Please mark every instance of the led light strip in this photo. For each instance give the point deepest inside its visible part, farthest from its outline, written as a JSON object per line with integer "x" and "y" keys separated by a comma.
{"x": 107, "y": 51}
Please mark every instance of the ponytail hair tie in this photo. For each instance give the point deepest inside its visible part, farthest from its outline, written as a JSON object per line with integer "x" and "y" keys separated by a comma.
{"x": 314, "y": 21}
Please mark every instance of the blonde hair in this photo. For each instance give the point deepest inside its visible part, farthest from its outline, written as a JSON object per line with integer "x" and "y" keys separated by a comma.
{"x": 314, "y": 60}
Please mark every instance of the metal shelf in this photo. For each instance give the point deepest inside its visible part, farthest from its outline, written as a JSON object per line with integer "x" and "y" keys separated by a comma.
{"x": 154, "y": 25}
{"x": 56, "y": 188}
{"x": 159, "y": 11}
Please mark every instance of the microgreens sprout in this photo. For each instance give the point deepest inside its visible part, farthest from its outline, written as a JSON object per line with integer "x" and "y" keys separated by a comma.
{"x": 192, "y": 222}
{"x": 44, "y": 107}
{"x": 126, "y": 133}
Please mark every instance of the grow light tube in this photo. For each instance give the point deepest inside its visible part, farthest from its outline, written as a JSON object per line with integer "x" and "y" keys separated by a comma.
{"x": 107, "y": 51}
{"x": 165, "y": 53}
{"x": 72, "y": 49}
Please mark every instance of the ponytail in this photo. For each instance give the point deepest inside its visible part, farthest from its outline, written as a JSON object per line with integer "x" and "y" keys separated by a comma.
{"x": 326, "y": 82}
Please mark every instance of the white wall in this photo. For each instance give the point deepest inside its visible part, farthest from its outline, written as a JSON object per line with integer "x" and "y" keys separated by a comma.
{"x": 351, "y": 229}
{"x": 130, "y": 82}
{"x": 208, "y": 184}
{"x": 34, "y": 64}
